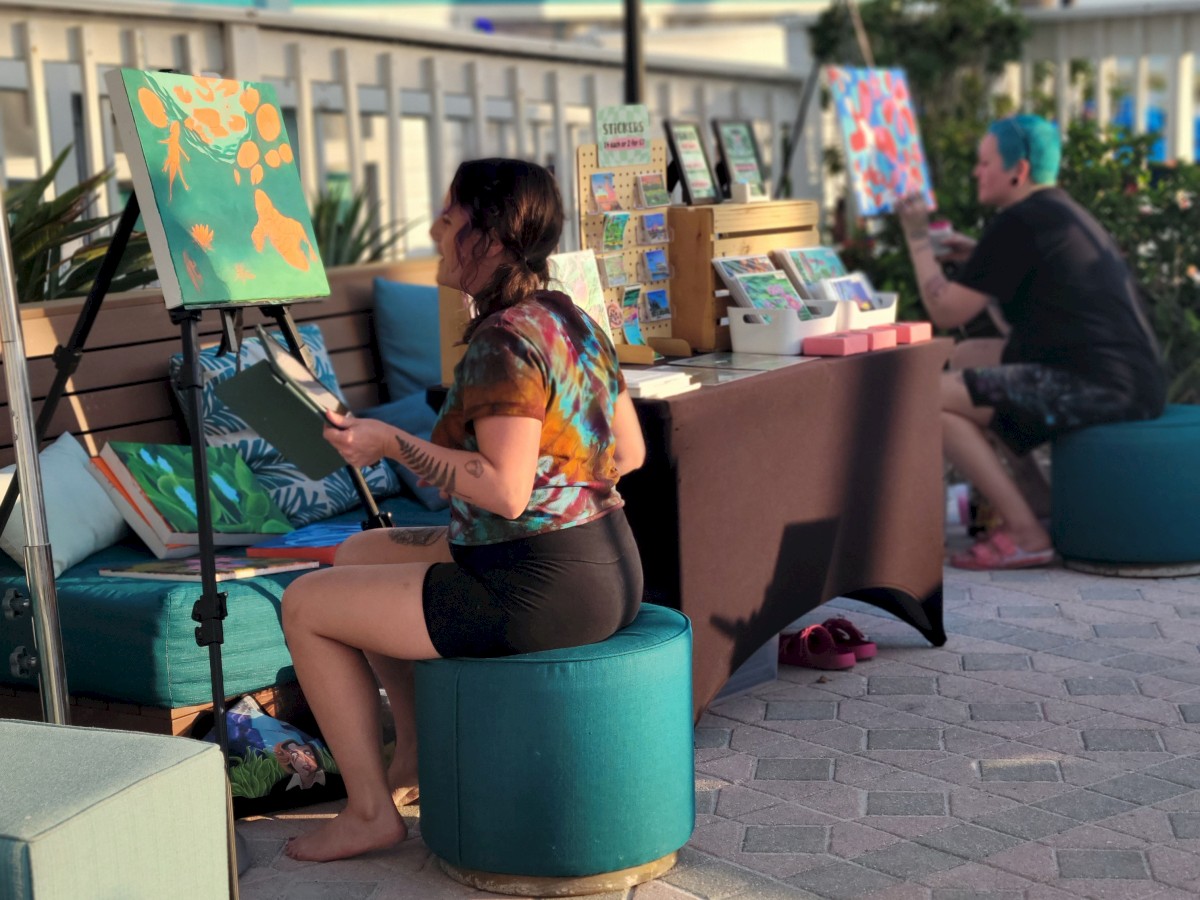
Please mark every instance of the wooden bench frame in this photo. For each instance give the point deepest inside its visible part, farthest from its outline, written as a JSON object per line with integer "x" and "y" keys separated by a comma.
{"x": 121, "y": 392}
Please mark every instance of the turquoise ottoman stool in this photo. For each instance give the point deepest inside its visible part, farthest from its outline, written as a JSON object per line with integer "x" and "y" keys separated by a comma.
{"x": 562, "y": 772}
{"x": 88, "y": 812}
{"x": 1126, "y": 496}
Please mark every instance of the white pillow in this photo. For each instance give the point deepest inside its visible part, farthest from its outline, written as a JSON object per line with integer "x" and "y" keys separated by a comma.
{"x": 80, "y": 518}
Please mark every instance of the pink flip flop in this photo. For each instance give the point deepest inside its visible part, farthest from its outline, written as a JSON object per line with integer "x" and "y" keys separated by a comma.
{"x": 848, "y": 638}
{"x": 999, "y": 551}
{"x": 813, "y": 647}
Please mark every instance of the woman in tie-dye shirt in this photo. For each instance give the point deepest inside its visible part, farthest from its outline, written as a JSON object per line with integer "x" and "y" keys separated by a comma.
{"x": 534, "y": 433}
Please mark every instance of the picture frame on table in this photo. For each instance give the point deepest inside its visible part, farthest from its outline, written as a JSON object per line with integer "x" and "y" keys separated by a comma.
{"x": 686, "y": 140}
{"x": 739, "y": 155}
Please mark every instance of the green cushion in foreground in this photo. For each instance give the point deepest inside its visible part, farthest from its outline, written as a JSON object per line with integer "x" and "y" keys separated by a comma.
{"x": 562, "y": 763}
{"x": 88, "y": 812}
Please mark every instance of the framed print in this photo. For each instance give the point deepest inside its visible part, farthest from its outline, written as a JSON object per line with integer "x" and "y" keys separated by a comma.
{"x": 739, "y": 153}
{"x": 695, "y": 173}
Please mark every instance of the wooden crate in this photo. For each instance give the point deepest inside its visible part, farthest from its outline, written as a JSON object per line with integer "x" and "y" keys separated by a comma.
{"x": 701, "y": 233}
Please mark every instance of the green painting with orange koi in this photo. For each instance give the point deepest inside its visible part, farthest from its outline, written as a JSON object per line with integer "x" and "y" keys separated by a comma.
{"x": 219, "y": 189}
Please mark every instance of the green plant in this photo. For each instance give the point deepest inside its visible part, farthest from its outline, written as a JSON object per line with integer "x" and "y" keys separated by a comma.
{"x": 40, "y": 229}
{"x": 348, "y": 231}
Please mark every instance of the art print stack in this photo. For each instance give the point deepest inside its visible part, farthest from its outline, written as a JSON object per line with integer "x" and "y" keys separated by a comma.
{"x": 755, "y": 281}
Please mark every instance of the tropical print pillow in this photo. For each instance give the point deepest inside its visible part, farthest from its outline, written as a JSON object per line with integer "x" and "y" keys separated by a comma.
{"x": 302, "y": 499}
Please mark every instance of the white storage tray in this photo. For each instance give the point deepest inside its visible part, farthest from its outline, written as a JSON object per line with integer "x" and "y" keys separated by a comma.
{"x": 779, "y": 331}
{"x": 851, "y": 317}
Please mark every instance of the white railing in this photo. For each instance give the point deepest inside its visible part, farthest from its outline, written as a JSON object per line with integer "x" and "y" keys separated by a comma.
{"x": 393, "y": 109}
{"x": 1144, "y": 51}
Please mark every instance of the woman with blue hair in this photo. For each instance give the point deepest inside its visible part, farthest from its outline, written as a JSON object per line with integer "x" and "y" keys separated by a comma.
{"x": 1080, "y": 350}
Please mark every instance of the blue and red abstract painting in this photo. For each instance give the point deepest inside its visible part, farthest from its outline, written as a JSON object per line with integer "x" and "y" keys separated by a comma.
{"x": 884, "y": 156}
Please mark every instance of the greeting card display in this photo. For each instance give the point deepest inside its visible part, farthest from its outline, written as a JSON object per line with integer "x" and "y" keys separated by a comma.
{"x": 739, "y": 154}
{"x": 219, "y": 190}
{"x": 695, "y": 173}
{"x": 808, "y": 266}
{"x": 855, "y": 288}
{"x": 770, "y": 290}
{"x": 884, "y": 156}
{"x": 729, "y": 267}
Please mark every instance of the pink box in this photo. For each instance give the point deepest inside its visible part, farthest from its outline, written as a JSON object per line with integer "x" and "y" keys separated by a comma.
{"x": 881, "y": 337}
{"x": 913, "y": 332}
{"x": 840, "y": 343}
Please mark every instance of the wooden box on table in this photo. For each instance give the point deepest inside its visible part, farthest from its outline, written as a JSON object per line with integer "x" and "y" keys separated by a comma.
{"x": 701, "y": 233}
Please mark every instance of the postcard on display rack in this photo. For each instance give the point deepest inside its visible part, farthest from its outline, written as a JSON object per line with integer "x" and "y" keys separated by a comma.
{"x": 655, "y": 264}
{"x": 218, "y": 187}
{"x": 770, "y": 290}
{"x": 658, "y": 305}
{"x": 652, "y": 190}
{"x": 612, "y": 270}
{"x": 228, "y": 568}
{"x": 807, "y": 266}
{"x": 577, "y": 275}
{"x": 654, "y": 229}
{"x": 614, "y": 230}
{"x": 631, "y": 325}
{"x": 604, "y": 192}
{"x": 285, "y": 403}
{"x": 153, "y": 485}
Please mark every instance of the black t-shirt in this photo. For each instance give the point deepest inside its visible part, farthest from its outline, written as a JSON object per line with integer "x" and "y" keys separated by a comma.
{"x": 1070, "y": 298}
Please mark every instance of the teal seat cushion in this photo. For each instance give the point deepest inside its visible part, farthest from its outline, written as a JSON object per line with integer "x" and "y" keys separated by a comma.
{"x": 1129, "y": 492}
{"x": 570, "y": 762}
{"x": 89, "y": 812}
{"x": 133, "y": 641}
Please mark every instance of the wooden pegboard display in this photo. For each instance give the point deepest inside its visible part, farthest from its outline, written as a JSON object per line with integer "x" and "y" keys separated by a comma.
{"x": 591, "y": 230}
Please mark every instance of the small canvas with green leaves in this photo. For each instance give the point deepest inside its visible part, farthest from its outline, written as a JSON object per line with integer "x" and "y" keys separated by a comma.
{"x": 240, "y": 505}
{"x": 219, "y": 190}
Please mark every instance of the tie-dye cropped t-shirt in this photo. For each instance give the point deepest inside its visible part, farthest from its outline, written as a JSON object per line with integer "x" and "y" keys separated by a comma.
{"x": 522, "y": 362}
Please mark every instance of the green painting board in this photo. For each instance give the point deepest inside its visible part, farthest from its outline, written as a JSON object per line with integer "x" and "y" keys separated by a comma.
{"x": 219, "y": 190}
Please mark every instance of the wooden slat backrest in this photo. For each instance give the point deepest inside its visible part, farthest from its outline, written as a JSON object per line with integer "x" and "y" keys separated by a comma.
{"x": 120, "y": 390}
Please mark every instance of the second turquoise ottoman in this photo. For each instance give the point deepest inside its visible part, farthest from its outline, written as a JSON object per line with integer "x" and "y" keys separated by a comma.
{"x": 1126, "y": 496}
{"x": 565, "y": 764}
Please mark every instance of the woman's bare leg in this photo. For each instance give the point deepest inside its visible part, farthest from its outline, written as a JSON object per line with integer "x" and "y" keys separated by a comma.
{"x": 332, "y": 618}
{"x": 388, "y": 546}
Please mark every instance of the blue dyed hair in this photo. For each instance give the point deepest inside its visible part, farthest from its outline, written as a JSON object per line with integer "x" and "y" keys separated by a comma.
{"x": 1031, "y": 138}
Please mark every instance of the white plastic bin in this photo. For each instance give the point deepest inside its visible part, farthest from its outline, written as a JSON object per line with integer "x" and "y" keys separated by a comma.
{"x": 779, "y": 331}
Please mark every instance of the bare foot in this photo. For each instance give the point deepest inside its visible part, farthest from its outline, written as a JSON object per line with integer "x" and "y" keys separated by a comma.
{"x": 348, "y": 834}
{"x": 402, "y": 780}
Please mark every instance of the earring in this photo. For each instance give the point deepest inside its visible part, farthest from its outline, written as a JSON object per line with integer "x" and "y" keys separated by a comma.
{"x": 1016, "y": 181}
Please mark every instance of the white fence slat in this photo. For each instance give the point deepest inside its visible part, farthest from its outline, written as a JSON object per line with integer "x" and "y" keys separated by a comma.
{"x": 93, "y": 125}
{"x": 35, "y": 68}
{"x": 437, "y": 129}
{"x": 350, "y": 107}
{"x": 306, "y": 150}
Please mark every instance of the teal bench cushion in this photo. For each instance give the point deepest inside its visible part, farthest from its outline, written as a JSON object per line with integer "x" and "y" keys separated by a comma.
{"x": 134, "y": 641}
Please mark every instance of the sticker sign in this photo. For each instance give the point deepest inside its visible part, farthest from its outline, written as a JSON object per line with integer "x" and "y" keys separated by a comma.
{"x": 623, "y": 134}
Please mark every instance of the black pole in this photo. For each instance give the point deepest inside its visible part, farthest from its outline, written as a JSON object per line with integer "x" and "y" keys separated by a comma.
{"x": 67, "y": 356}
{"x": 635, "y": 61}
{"x": 209, "y": 611}
{"x": 375, "y": 518}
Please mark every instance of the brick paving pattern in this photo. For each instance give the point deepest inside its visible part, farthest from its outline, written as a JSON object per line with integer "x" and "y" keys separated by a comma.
{"x": 1051, "y": 749}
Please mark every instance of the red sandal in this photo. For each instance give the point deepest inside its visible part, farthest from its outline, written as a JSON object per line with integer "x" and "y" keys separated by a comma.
{"x": 813, "y": 647}
{"x": 848, "y": 638}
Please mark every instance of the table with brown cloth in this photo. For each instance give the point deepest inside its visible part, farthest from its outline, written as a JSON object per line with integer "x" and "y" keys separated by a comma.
{"x": 765, "y": 497}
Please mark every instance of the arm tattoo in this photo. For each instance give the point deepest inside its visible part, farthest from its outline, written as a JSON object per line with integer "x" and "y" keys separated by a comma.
{"x": 933, "y": 287}
{"x": 438, "y": 474}
{"x": 917, "y": 231}
{"x": 415, "y": 537}
{"x": 474, "y": 467}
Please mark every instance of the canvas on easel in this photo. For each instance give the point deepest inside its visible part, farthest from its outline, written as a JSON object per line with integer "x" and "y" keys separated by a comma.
{"x": 220, "y": 192}
{"x": 885, "y": 159}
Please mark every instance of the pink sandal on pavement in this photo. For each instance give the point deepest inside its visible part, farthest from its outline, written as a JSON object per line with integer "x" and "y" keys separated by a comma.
{"x": 999, "y": 551}
{"x": 813, "y": 647}
{"x": 848, "y": 638}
